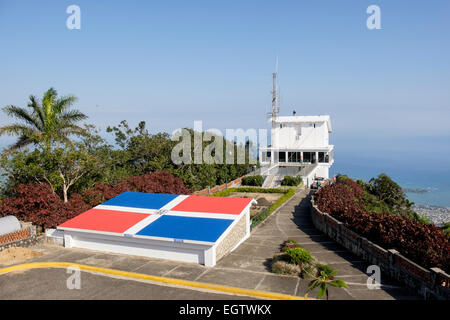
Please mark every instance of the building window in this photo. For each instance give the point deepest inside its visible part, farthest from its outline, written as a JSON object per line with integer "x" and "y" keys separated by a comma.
{"x": 282, "y": 157}
{"x": 321, "y": 157}
{"x": 294, "y": 157}
{"x": 307, "y": 156}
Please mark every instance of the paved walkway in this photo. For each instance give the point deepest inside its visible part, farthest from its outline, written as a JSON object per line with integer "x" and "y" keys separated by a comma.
{"x": 294, "y": 221}
{"x": 247, "y": 267}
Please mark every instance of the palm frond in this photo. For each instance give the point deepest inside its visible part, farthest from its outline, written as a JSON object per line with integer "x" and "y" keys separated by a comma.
{"x": 21, "y": 114}
{"x": 71, "y": 116}
{"x": 72, "y": 129}
{"x": 63, "y": 104}
{"x": 20, "y": 143}
{"x": 47, "y": 102}
{"x": 17, "y": 130}
{"x": 37, "y": 110}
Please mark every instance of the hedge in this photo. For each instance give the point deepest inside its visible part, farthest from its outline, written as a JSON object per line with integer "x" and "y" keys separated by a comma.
{"x": 291, "y": 181}
{"x": 256, "y": 181}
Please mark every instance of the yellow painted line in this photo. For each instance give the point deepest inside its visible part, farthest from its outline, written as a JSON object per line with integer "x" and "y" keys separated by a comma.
{"x": 179, "y": 282}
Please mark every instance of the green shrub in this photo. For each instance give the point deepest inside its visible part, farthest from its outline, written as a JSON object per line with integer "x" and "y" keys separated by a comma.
{"x": 229, "y": 191}
{"x": 422, "y": 218}
{"x": 446, "y": 227}
{"x": 298, "y": 256}
{"x": 256, "y": 181}
{"x": 291, "y": 181}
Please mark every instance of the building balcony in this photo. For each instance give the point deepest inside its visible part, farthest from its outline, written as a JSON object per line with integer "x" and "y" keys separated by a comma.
{"x": 295, "y": 158}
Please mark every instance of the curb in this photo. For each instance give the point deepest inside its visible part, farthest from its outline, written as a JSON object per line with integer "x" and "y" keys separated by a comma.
{"x": 172, "y": 281}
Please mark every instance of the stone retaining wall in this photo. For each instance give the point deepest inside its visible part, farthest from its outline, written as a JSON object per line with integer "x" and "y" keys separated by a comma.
{"x": 24, "y": 237}
{"x": 431, "y": 283}
{"x": 233, "y": 238}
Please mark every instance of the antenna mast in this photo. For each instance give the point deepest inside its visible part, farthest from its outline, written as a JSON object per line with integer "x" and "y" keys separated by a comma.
{"x": 275, "y": 109}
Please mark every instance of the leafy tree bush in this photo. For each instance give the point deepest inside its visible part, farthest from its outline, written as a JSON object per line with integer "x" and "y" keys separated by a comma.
{"x": 256, "y": 181}
{"x": 291, "y": 181}
{"x": 143, "y": 153}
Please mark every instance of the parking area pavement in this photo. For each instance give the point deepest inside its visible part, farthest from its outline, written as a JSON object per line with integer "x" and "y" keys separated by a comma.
{"x": 52, "y": 284}
{"x": 247, "y": 267}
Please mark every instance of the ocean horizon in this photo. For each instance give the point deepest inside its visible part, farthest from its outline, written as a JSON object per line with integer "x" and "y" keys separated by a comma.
{"x": 404, "y": 165}
{"x": 414, "y": 163}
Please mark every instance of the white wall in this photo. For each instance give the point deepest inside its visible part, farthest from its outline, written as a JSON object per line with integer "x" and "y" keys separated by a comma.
{"x": 308, "y": 136}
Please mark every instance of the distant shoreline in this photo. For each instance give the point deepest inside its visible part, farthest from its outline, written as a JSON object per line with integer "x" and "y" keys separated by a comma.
{"x": 416, "y": 190}
{"x": 438, "y": 215}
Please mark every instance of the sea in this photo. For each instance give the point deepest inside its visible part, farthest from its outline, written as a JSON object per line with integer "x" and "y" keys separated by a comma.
{"x": 419, "y": 165}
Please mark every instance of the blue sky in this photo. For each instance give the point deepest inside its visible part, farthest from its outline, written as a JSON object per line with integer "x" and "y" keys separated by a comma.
{"x": 173, "y": 62}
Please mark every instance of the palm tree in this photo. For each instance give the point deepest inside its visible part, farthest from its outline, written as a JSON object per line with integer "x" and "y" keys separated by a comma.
{"x": 324, "y": 277}
{"x": 50, "y": 121}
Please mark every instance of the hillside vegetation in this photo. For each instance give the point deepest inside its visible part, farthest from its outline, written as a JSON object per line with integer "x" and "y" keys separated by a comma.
{"x": 379, "y": 211}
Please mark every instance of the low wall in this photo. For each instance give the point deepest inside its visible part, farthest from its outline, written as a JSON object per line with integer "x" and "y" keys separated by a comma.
{"x": 431, "y": 283}
{"x": 235, "y": 236}
{"x": 24, "y": 237}
{"x": 209, "y": 190}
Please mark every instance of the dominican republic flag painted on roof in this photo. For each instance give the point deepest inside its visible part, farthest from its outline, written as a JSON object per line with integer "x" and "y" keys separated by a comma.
{"x": 157, "y": 215}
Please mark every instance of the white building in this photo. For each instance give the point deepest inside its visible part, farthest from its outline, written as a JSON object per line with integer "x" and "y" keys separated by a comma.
{"x": 299, "y": 147}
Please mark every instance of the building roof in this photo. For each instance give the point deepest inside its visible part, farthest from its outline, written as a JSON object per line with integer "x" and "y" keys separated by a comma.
{"x": 305, "y": 119}
{"x": 181, "y": 217}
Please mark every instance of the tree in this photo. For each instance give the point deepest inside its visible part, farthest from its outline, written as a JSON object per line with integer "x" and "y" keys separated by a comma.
{"x": 387, "y": 190}
{"x": 60, "y": 168}
{"x": 392, "y": 195}
{"x": 49, "y": 121}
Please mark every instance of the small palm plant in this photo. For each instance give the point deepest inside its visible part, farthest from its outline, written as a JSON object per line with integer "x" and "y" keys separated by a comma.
{"x": 324, "y": 277}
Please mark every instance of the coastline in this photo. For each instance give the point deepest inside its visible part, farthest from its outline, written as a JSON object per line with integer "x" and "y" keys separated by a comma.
{"x": 438, "y": 215}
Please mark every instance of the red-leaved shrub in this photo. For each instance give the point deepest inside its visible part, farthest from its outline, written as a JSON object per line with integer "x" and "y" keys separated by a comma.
{"x": 36, "y": 202}
{"x": 157, "y": 182}
{"x": 425, "y": 244}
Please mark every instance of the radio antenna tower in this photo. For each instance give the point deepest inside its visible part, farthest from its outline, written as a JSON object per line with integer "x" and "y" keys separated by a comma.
{"x": 275, "y": 108}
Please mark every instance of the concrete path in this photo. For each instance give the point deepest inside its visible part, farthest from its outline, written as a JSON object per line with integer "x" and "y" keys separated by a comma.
{"x": 293, "y": 221}
{"x": 247, "y": 267}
